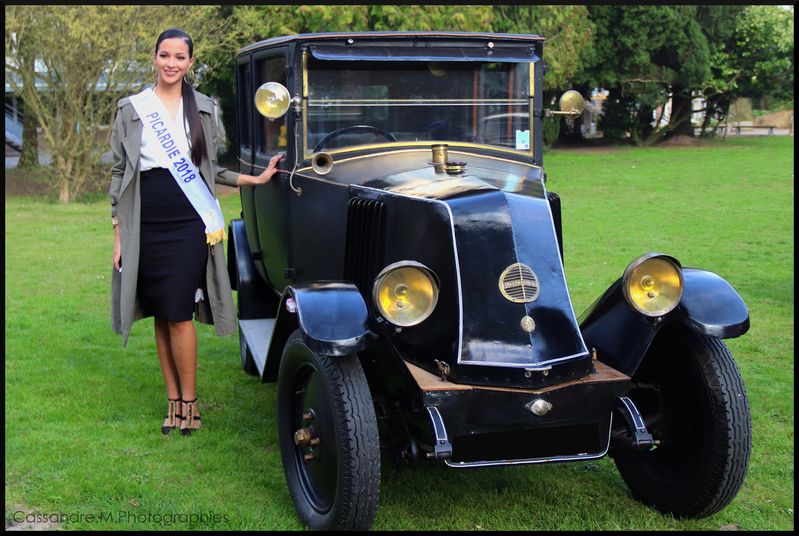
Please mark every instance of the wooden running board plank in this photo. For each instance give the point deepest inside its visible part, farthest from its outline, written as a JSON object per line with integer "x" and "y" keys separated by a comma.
{"x": 430, "y": 382}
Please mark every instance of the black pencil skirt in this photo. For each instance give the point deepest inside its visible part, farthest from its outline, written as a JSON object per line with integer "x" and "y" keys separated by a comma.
{"x": 173, "y": 249}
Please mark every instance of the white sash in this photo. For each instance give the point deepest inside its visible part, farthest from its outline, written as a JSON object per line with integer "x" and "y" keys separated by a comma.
{"x": 154, "y": 117}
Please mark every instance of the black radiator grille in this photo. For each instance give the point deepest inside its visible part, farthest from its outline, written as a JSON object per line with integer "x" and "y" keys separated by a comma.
{"x": 554, "y": 204}
{"x": 364, "y": 250}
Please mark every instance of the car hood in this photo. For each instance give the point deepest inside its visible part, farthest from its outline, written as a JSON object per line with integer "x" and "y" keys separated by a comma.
{"x": 500, "y": 219}
{"x": 409, "y": 171}
{"x": 479, "y": 176}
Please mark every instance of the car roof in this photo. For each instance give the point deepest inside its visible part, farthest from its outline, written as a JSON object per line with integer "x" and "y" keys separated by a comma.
{"x": 388, "y": 35}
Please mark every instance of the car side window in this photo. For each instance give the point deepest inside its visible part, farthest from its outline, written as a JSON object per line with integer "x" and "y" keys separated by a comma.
{"x": 272, "y": 134}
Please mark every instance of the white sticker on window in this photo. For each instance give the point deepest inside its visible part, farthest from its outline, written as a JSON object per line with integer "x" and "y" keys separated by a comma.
{"x": 522, "y": 139}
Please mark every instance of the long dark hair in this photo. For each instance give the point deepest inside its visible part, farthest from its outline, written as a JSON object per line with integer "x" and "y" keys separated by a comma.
{"x": 190, "y": 112}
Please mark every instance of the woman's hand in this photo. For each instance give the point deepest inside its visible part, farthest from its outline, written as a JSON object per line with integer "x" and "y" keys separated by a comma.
{"x": 117, "y": 251}
{"x": 270, "y": 170}
{"x": 263, "y": 178}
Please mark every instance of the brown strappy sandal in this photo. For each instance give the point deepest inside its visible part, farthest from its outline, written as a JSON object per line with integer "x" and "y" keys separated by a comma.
{"x": 190, "y": 419}
{"x": 172, "y": 416}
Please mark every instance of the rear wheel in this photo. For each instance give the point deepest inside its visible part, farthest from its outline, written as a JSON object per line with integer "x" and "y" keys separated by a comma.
{"x": 328, "y": 438}
{"x": 693, "y": 400}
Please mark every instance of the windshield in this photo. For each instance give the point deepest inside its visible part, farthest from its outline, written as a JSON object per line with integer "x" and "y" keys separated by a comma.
{"x": 354, "y": 103}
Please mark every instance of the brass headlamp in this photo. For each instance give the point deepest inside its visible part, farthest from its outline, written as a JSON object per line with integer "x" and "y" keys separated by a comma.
{"x": 653, "y": 284}
{"x": 405, "y": 293}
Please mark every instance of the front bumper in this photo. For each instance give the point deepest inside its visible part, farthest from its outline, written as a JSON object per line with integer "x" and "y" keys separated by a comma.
{"x": 481, "y": 426}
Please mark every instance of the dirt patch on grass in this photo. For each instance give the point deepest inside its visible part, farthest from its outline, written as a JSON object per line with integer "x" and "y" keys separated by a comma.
{"x": 781, "y": 119}
{"x": 590, "y": 146}
{"x": 27, "y": 182}
{"x": 224, "y": 191}
{"x": 681, "y": 141}
{"x": 601, "y": 146}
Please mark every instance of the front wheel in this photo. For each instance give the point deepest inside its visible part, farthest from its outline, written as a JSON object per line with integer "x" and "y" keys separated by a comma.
{"x": 693, "y": 400}
{"x": 328, "y": 438}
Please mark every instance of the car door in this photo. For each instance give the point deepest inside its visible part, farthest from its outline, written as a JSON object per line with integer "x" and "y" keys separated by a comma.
{"x": 269, "y": 200}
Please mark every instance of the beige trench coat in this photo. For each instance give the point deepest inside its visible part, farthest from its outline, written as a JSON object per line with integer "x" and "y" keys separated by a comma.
{"x": 217, "y": 307}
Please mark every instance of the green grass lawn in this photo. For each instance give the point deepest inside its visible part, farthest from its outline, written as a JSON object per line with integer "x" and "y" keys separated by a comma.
{"x": 83, "y": 415}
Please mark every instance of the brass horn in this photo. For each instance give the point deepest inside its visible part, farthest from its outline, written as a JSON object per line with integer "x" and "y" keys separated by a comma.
{"x": 322, "y": 163}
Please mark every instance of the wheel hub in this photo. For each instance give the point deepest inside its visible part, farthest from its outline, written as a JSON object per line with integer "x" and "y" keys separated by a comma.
{"x": 307, "y": 437}
{"x": 303, "y": 436}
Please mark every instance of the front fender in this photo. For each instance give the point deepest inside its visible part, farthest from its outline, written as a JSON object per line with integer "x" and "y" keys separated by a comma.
{"x": 711, "y": 306}
{"x": 622, "y": 335}
{"x": 332, "y": 318}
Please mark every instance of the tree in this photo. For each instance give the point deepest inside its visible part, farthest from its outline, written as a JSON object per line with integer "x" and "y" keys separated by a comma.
{"x": 765, "y": 41}
{"x": 464, "y": 18}
{"x": 29, "y": 158}
{"x": 568, "y": 31}
{"x": 646, "y": 55}
{"x": 752, "y": 51}
{"x": 718, "y": 24}
{"x": 90, "y": 57}
{"x": 567, "y": 28}
{"x": 569, "y": 34}
{"x": 252, "y": 23}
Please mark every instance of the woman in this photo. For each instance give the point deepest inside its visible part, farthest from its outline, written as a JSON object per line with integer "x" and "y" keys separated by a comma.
{"x": 168, "y": 255}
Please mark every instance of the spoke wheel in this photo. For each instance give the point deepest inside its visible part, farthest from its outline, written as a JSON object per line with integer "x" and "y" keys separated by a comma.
{"x": 693, "y": 400}
{"x": 328, "y": 438}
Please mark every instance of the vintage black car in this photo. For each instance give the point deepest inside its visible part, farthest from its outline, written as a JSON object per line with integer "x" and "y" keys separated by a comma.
{"x": 402, "y": 281}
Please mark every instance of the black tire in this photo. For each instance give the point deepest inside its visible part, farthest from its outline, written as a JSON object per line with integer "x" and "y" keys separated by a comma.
{"x": 693, "y": 399}
{"x": 247, "y": 361}
{"x": 339, "y": 488}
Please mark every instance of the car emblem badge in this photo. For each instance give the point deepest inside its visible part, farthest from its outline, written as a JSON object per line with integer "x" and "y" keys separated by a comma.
{"x": 519, "y": 284}
{"x": 528, "y": 324}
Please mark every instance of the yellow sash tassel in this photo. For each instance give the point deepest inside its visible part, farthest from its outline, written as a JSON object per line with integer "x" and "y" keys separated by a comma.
{"x": 216, "y": 236}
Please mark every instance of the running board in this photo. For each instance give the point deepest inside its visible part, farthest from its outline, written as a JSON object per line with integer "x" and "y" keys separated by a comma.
{"x": 257, "y": 334}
